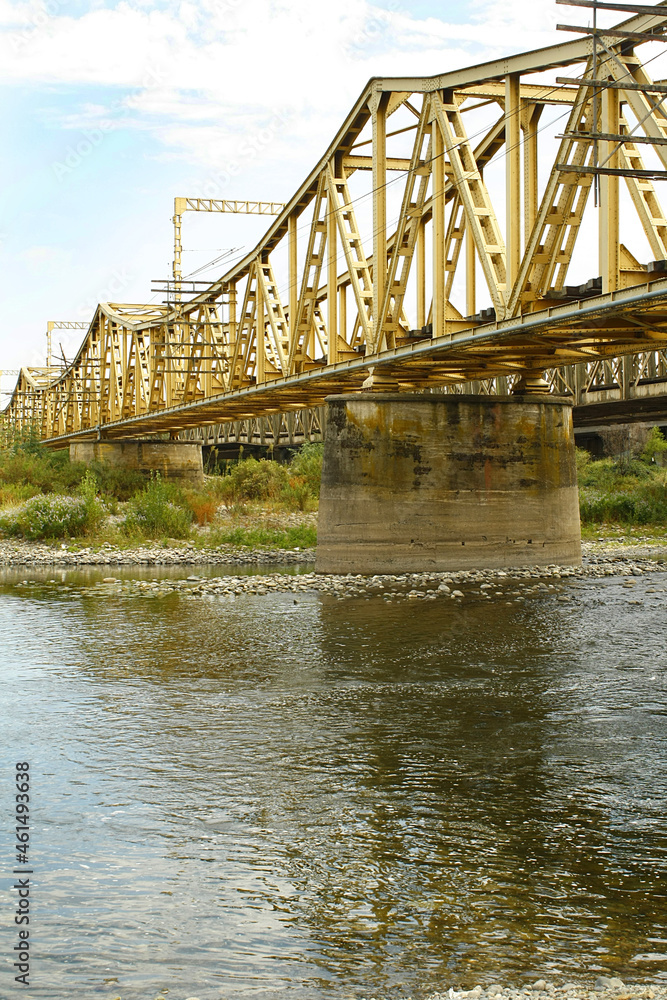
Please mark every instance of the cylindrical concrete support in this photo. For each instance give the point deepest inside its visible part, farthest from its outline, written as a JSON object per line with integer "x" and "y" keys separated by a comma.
{"x": 172, "y": 459}
{"x": 414, "y": 483}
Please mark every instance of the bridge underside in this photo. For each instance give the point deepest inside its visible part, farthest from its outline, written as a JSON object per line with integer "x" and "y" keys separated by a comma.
{"x": 624, "y": 322}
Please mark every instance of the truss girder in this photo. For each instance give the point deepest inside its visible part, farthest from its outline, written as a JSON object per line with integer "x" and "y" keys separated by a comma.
{"x": 329, "y": 295}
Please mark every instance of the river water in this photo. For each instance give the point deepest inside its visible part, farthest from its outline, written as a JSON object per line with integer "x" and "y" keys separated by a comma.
{"x": 300, "y": 796}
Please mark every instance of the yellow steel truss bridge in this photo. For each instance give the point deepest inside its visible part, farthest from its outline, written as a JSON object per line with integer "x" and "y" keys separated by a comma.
{"x": 430, "y": 246}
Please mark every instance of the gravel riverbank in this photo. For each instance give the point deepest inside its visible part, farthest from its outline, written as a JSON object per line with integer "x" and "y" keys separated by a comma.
{"x": 603, "y": 988}
{"x": 511, "y": 585}
{"x": 642, "y": 553}
{"x": 14, "y": 553}
{"x": 600, "y": 560}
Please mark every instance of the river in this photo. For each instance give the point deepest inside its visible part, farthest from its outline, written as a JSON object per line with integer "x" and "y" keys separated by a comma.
{"x": 308, "y": 797}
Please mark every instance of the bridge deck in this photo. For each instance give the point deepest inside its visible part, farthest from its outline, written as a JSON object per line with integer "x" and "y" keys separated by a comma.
{"x": 622, "y": 322}
{"x": 335, "y": 298}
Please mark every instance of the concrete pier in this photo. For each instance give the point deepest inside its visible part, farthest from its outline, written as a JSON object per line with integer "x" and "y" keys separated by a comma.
{"x": 172, "y": 459}
{"x": 413, "y": 483}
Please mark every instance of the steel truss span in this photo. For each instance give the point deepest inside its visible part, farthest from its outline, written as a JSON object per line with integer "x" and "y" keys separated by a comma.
{"x": 423, "y": 250}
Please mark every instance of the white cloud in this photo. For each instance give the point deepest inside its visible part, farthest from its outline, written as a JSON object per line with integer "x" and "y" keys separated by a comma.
{"x": 202, "y": 76}
{"x": 40, "y": 256}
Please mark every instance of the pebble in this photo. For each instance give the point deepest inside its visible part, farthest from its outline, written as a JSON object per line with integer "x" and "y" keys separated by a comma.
{"x": 521, "y": 583}
{"x": 605, "y": 987}
{"x": 15, "y": 553}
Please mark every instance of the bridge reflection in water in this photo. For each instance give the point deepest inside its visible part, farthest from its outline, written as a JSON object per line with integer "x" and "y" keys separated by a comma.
{"x": 335, "y": 796}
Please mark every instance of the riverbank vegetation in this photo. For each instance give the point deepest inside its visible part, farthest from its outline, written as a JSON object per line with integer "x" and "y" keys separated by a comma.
{"x": 262, "y": 503}
{"x": 624, "y": 492}
{"x": 257, "y": 503}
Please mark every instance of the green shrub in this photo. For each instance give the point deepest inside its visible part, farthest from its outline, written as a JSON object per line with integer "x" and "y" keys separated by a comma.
{"x": 612, "y": 474}
{"x": 583, "y": 461}
{"x": 157, "y": 511}
{"x": 14, "y": 494}
{"x": 304, "y": 474}
{"x": 47, "y": 471}
{"x": 117, "y": 482}
{"x": 307, "y": 466}
{"x": 297, "y": 495}
{"x": 626, "y": 502}
{"x": 95, "y": 509}
{"x": 46, "y": 516}
{"x": 256, "y": 480}
{"x": 655, "y": 445}
{"x": 54, "y": 515}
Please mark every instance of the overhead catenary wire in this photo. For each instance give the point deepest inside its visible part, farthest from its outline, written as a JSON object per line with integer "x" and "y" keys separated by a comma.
{"x": 388, "y": 183}
{"x": 232, "y": 257}
{"x": 368, "y": 235}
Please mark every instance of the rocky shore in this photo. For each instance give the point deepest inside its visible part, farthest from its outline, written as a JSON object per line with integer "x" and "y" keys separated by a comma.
{"x": 511, "y": 585}
{"x": 643, "y": 554}
{"x": 14, "y": 553}
{"x": 604, "y": 988}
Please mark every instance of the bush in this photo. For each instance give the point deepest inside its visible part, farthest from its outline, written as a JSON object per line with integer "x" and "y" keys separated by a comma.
{"x": 158, "y": 512}
{"x": 117, "y": 482}
{"x": 627, "y": 501}
{"x": 47, "y": 471}
{"x": 307, "y": 466}
{"x": 204, "y": 508}
{"x": 583, "y": 461}
{"x": 256, "y": 480}
{"x": 14, "y": 494}
{"x": 655, "y": 445}
{"x": 296, "y": 495}
{"x": 304, "y": 475}
{"x": 55, "y": 516}
{"x": 51, "y": 516}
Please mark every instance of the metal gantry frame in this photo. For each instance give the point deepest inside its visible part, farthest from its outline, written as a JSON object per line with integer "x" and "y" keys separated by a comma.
{"x": 183, "y": 205}
{"x": 394, "y": 266}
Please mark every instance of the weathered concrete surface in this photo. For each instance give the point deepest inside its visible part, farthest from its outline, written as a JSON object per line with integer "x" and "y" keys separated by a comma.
{"x": 172, "y": 459}
{"x": 414, "y": 483}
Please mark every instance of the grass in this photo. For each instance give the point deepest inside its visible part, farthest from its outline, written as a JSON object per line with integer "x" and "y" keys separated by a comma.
{"x": 300, "y": 536}
{"x": 595, "y": 531}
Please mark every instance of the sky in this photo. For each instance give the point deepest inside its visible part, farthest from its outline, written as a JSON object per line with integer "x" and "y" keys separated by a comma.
{"x": 110, "y": 109}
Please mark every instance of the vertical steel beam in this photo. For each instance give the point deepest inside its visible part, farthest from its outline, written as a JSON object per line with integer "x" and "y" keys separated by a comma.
{"x": 609, "y": 235}
{"x": 260, "y": 347}
{"x": 438, "y": 202}
{"x": 342, "y": 311}
{"x": 293, "y": 275}
{"x": 232, "y": 327}
{"x": 379, "y": 122}
{"x": 332, "y": 282}
{"x": 471, "y": 264}
{"x": 531, "y": 117}
{"x": 513, "y": 176}
{"x": 421, "y": 275}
